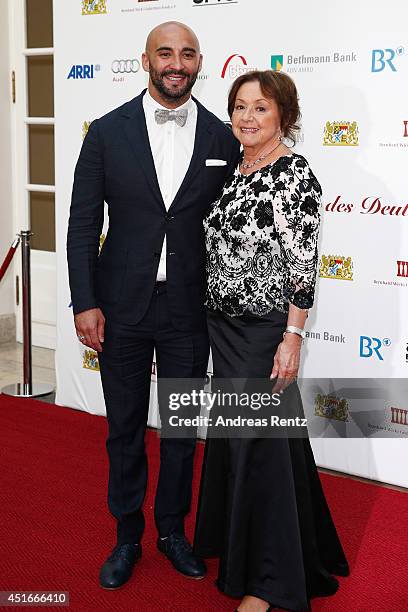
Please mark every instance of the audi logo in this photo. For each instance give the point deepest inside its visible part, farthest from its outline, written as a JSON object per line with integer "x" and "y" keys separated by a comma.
{"x": 130, "y": 65}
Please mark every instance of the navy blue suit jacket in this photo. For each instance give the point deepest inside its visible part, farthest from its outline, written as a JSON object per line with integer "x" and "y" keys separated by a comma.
{"x": 116, "y": 166}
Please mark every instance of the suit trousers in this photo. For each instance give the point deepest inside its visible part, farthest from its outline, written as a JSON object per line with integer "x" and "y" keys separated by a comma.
{"x": 126, "y": 364}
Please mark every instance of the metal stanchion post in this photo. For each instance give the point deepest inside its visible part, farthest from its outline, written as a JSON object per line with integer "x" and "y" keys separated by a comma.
{"x": 27, "y": 388}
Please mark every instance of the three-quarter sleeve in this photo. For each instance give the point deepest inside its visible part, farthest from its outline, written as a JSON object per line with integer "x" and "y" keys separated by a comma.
{"x": 297, "y": 220}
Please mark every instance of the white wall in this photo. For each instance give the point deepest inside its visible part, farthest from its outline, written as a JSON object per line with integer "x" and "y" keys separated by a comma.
{"x": 342, "y": 78}
{"x": 6, "y": 206}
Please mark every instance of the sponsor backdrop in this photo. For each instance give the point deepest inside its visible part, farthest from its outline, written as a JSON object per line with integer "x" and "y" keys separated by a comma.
{"x": 350, "y": 63}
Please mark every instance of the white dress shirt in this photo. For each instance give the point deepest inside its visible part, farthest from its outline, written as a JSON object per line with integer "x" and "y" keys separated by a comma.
{"x": 172, "y": 149}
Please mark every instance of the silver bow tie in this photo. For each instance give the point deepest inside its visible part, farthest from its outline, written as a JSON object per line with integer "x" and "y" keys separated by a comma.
{"x": 179, "y": 116}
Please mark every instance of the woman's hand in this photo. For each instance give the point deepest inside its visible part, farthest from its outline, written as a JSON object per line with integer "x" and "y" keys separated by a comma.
{"x": 286, "y": 362}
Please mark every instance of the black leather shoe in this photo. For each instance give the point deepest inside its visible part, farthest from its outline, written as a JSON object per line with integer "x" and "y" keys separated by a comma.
{"x": 118, "y": 567}
{"x": 179, "y": 552}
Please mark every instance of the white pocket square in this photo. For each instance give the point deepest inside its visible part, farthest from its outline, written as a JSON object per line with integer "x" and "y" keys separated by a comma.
{"x": 215, "y": 162}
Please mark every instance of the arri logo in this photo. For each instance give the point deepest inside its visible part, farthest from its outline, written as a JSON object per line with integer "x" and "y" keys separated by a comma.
{"x": 370, "y": 346}
{"x": 213, "y": 2}
{"x": 385, "y": 58}
{"x": 277, "y": 62}
{"x": 83, "y": 71}
{"x": 93, "y": 7}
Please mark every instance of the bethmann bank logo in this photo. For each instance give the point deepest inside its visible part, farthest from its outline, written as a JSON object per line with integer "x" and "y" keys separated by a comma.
{"x": 337, "y": 267}
{"x": 341, "y": 134}
{"x": 326, "y": 336}
{"x": 331, "y": 407}
{"x": 93, "y": 7}
{"x": 277, "y": 62}
{"x": 308, "y": 63}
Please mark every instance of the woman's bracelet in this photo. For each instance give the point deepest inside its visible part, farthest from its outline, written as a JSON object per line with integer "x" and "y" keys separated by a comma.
{"x": 291, "y": 329}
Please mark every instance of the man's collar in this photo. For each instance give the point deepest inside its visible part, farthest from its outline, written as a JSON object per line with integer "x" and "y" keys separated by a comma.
{"x": 150, "y": 103}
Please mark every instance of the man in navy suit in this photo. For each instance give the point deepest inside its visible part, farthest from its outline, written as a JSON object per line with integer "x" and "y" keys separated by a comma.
{"x": 158, "y": 162}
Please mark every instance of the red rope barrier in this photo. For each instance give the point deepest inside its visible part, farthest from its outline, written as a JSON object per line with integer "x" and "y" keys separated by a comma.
{"x": 9, "y": 257}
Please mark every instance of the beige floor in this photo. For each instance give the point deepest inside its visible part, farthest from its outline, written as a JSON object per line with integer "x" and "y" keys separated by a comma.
{"x": 11, "y": 371}
{"x": 11, "y": 364}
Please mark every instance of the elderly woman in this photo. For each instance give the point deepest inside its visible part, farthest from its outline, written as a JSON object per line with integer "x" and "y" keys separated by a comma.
{"x": 262, "y": 510}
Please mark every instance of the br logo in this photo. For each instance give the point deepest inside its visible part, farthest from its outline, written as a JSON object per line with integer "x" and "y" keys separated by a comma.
{"x": 370, "y": 347}
{"x": 384, "y": 58}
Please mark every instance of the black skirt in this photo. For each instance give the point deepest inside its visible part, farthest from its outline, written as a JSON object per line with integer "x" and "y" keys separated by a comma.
{"x": 262, "y": 509}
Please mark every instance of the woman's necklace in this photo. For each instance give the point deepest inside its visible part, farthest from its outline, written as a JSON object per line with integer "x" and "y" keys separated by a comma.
{"x": 247, "y": 165}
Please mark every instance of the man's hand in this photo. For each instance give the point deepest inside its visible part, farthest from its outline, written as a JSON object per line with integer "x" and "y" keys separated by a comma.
{"x": 91, "y": 325}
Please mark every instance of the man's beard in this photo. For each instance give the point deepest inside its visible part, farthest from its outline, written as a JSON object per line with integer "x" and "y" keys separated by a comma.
{"x": 171, "y": 94}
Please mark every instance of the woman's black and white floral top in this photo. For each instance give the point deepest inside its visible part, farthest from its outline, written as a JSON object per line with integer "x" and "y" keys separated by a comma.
{"x": 261, "y": 237}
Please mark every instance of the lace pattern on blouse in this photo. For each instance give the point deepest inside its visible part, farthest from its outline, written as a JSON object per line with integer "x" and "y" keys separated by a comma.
{"x": 261, "y": 238}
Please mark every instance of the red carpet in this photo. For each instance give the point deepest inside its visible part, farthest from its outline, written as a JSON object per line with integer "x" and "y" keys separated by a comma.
{"x": 55, "y": 530}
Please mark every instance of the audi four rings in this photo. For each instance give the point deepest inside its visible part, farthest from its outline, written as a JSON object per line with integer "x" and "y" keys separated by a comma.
{"x": 130, "y": 65}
